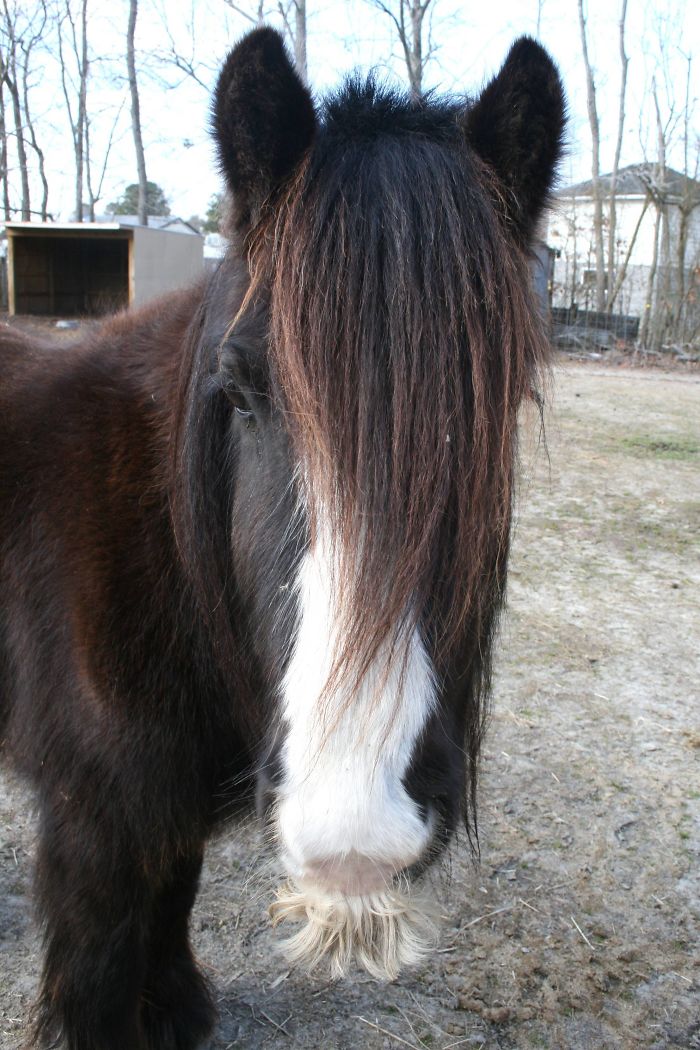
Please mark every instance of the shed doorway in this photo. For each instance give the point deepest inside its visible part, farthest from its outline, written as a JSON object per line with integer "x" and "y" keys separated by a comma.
{"x": 68, "y": 276}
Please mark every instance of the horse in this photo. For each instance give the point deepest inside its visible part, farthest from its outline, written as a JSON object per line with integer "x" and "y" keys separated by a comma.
{"x": 254, "y": 540}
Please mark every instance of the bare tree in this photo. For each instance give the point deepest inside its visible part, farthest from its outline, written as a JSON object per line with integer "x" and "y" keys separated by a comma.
{"x": 33, "y": 39}
{"x": 671, "y": 315}
{"x": 75, "y": 68}
{"x": 10, "y": 72}
{"x": 595, "y": 167}
{"x": 612, "y": 211}
{"x": 652, "y": 325}
{"x": 23, "y": 30}
{"x": 413, "y": 32}
{"x": 682, "y": 325}
{"x": 136, "y": 113}
{"x": 4, "y": 156}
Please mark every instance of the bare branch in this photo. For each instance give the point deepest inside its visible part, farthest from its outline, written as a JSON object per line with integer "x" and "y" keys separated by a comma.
{"x": 408, "y": 17}
{"x": 98, "y": 194}
{"x": 255, "y": 19}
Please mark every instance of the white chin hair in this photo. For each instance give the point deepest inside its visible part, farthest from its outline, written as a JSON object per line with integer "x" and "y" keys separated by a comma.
{"x": 380, "y": 932}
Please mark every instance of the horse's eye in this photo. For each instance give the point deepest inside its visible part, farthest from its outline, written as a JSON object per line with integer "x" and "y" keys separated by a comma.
{"x": 238, "y": 400}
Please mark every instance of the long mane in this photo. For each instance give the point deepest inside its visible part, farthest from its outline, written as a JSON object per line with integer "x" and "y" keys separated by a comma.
{"x": 403, "y": 341}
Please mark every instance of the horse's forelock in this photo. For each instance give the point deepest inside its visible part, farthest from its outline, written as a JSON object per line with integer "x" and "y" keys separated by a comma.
{"x": 403, "y": 341}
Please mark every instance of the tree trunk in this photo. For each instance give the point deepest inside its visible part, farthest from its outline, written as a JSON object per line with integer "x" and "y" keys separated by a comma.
{"x": 295, "y": 28}
{"x": 77, "y": 118}
{"x": 11, "y": 82}
{"x": 409, "y": 24}
{"x": 32, "y": 133}
{"x": 664, "y": 291}
{"x": 88, "y": 174}
{"x": 23, "y": 27}
{"x": 612, "y": 217}
{"x": 82, "y": 114}
{"x": 645, "y": 329}
{"x": 658, "y": 300}
{"x": 8, "y": 75}
{"x": 682, "y": 247}
{"x": 135, "y": 113}
{"x": 416, "y": 48}
{"x": 3, "y": 151}
{"x": 300, "y": 39}
{"x": 622, "y": 269}
{"x": 595, "y": 168}
{"x": 686, "y": 207}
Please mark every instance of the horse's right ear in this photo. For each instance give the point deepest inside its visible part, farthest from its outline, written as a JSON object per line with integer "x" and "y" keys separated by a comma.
{"x": 264, "y": 121}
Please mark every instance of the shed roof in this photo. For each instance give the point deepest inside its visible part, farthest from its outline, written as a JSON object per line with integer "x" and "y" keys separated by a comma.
{"x": 48, "y": 227}
{"x": 110, "y": 224}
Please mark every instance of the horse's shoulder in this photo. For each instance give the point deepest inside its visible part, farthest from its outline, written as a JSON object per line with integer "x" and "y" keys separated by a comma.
{"x": 68, "y": 409}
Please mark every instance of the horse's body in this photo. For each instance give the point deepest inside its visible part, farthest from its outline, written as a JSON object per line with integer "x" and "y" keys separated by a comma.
{"x": 253, "y": 539}
{"x": 100, "y": 708}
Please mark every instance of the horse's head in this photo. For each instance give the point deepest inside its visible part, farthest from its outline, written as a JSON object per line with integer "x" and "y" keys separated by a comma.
{"x": 376, "y": 342}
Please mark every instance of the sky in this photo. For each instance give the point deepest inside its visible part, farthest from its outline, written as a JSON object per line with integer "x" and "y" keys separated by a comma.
{"x": 472, "y": 40}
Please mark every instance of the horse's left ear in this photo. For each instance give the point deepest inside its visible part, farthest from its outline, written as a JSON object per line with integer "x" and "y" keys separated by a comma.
{"x": 517, "y": 127}
{"x": 264, "y": 121}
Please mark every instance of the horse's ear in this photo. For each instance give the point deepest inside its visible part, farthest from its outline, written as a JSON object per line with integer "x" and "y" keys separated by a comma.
{"x": 264, "y": 121}
{"x": 517, "y": 127}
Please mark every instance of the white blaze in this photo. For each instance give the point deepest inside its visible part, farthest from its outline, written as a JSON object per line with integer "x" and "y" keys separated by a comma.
{"x": 345, "y": 819}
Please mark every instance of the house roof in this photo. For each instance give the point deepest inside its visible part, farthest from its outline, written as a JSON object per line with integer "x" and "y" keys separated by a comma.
{"x": 638, "y": 180}
{"x": 157, "y": 222}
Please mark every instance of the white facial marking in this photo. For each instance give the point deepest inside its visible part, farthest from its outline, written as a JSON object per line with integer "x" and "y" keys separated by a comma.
{"x": 346, "y": 822}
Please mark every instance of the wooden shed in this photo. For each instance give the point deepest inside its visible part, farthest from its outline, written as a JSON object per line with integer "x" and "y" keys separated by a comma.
{"x": 79, "y": 269}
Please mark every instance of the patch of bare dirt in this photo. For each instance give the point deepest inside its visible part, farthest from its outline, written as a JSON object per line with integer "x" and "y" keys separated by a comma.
{"x": 580, "y": 927}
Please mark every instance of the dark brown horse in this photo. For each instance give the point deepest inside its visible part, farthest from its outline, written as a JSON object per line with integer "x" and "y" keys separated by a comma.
{"x": 253, "y": 539}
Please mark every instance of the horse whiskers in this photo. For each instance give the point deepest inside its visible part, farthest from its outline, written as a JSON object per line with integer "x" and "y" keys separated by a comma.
{"x": 381, "y": 932}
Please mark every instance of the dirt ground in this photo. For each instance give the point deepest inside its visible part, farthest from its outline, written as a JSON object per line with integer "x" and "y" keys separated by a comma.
{"x": 580, "y": 926}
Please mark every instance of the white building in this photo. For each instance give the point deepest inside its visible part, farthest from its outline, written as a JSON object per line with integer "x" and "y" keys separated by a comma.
{"x": 646, "y": 243}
